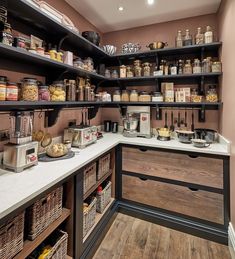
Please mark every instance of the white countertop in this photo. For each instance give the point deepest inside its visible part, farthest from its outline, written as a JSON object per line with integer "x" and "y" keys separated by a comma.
{"x": 18, "y": 189}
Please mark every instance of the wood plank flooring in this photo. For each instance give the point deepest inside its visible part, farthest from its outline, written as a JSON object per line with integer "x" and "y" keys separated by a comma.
{"x": 132, "y": 238}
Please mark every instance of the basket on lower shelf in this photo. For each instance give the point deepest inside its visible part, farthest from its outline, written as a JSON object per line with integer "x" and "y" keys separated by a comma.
{"x": 89, "y": 214}
{"x": 43, "y": 212}
{"x": 103, "y": 198}
{"x": 89, "y": 177}
{"x": 11, "y": 237}
{"x": 104, "y": 166}
{"x": 58, "y": 242}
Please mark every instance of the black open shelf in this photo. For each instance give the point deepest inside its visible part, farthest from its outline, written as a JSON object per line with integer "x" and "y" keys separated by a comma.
{"x": 33, "y": 16}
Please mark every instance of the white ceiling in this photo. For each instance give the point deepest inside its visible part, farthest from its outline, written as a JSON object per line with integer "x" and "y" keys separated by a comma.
{"x": 105, "y": 16}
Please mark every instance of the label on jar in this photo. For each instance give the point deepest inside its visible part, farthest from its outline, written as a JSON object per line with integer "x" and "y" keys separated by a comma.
{"x": 2, "y": 93}
{"x": 12, "y": 94}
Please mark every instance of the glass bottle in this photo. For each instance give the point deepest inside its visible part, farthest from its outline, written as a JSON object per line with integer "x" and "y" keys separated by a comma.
{"x": 180, "y": 67}
{"x": 208, "y": 35}
{"x": 129, "y": 72}
{"x": 116, "y": 96}
{"x": 197, "y": 69}
{"x": 187, "y": 38}
{"x": 199, "y": 38}
{"x": 179, "y": 39}
{"x": 147, "y": 69}
{"x": 134, "y": 96}
{"x": 125, "y": 96}
{"x": 188, "y": 67}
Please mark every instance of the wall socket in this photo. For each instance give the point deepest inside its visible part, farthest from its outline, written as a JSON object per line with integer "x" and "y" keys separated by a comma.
{"x": 4, "y": 135}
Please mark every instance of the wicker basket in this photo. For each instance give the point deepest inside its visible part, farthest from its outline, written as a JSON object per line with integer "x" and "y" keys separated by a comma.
{"x": 89, "y": 177}
{"x": 43, "y": 212}
{"x": 11, "y": 237}
{"x": 59, "y": 249}
{"x": 103, "y": 198}
{"x": 89, "y": 216}
{"x": 104, "y": 166}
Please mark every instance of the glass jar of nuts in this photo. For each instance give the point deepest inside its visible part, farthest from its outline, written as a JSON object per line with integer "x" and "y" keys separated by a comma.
{"x": 212, "y": 96}
{"x": 29, "y": 91}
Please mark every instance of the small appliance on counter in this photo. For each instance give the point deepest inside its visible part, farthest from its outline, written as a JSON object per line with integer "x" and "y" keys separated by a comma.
{"x": 137, "y": 122}
{"x": 81, "y": 136}
{"x": 21, "y": 152}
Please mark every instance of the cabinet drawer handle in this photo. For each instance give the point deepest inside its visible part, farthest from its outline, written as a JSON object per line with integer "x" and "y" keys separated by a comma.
{"x": 193, "y": 189}
{"x": 143, "y": 178}
{"x": 143, "y": 149}
{"x": 192, "y": 156}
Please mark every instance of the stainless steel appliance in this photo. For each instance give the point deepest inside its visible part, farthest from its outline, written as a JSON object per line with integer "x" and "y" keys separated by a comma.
{"x": 137, "y": 122}
{"x": 21, "y": 152}
{"x": 81, "y": 136}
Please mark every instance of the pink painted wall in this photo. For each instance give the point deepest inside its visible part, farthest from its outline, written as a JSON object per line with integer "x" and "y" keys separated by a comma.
{"x": 226, "y": 22}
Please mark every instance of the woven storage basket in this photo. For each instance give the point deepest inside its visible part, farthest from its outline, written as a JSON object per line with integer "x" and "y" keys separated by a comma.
{"x": 89, "y": 177}
{"x": 89, "y": 217}
{"x": 104, "y": 166}
{"x": 104, "y": 198}
{"x": 11, "y": 237}
{"x": 43, "y": 212}
{"x": 59, "y": 249}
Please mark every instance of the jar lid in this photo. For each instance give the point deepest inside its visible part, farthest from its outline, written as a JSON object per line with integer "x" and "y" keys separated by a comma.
{"x": 43, "y": 87}
{"x": 144, "y": 93}
{"x": 3, "y": 82}
{"x": 3, "y": 78}
{"x": 12, "y": 83}
{"x": 28, "y": 79}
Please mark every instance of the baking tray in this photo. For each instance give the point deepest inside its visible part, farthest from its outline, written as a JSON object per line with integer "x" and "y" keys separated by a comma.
{"x": 45, "y": 158}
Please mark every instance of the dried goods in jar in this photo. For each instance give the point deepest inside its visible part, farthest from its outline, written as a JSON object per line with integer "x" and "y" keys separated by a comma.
{"x": 29, "y": 91}
{"x": 2, "y": 91}
{"x": 57, "y": 91}
{"x": 12, "y": 92}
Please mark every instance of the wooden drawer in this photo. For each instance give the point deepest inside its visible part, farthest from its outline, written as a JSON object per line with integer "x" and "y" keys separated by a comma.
{"x": 200, "y": 170}
{"x": 180, "y": 199}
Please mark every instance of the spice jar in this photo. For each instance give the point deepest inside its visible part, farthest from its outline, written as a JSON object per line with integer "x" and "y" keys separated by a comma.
{"x": 212, "y": 95}
{"x": 147, "y": 69}
{"x": 199, "y": 37}
{"x": 29, "y": 91}
{"x": 116, "y": 96}
{"x": 7, "y": 37}
{"x": 179, "y": 39}
{"x": 208, "y": 35}
{"x": 78, "y": 63}
{"x": 197, "y": 66}
{"x": 206, "y": 65}
{"x": 122, "y": 71}
{"x": 157, "y": 97}
{"x": 43, "y": 93}
{"x": 144, "y": 97}
{"x": 57, "y": 91}
{"x": 114, "y": 74}
{"x": 107, "y": 73}
{"x": 71, "y": 90}
{"x": 173, "y": 69}
{"x": 188, "y": 67}
{"x": 129, "y": 73}
{"x": 88, "y": 64}
{"x": 180, "y": 67}
{"x": 134, "y": 96}
{"x": 216, "y": 67}
{"x": 12, "y": 92}
{"x": 137, "y": 68}
{"x": 125, "y": 96}
{"x": 3, "y": 86}
{"x": 187, "y": 38}
{"x": 195, "y": 98}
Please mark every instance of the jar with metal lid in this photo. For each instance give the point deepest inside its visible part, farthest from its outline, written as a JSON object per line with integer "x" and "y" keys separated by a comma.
{"x": 3, "y": 86}
{"x": 199, "y": 37}
{"x": 122, "y": 71}
{"x": 58, "y": 91}
{"x": 107, "y": 73}
{"x": 7, "y": 37}
{"x": 211, "y": 95}
{"x": 43, "y": 93}
{"x": 144, "y": 97}
{"x": 78, "y": 63}
{"x": 179, "y": 39}
{"x": 188, "y": 67}
{"x": 129, "y": 72}
{"x": 206, "y": 65}
{"x": 157, "y": 97}
{"x": 71, "y": 89}
{"x": 195, "y": 98}
{"x": 88, "y": 64}
{"x": 134, "y": 96}
{"x": 208, "y": 35}
{"x": 114, "y": 74}
{"x": 29, "y": 91}
{"x": 117, "y": 96}
{"x": 147, "y": 68}
{"x": 137, "y": 68}
{"x": 87, "y": 90}
{"x": 125, "y": 96}
{"x": 197, "y": 69}
{"x": 173, "y": 69}
{"x": 216, "y": 67}
{"x": 180, "y": 67}
{"x": 12, "y": 92}
{"x": 188, "y": 40}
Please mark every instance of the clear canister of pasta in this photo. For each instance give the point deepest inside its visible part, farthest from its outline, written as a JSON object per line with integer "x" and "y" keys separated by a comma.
{"x": 29, "y": 91}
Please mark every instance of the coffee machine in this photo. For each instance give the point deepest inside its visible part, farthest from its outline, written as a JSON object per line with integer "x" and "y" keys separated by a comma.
{"x": 21, "y": 152}
{"x": 137, "y": 122}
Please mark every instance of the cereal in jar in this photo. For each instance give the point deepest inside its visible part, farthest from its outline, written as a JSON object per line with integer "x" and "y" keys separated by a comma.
{"x": 57, "y": 91}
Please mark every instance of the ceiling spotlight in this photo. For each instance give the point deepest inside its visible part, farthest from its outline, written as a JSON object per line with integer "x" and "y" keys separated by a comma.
{"x": 150, "y": 2}
{"x": 120, "y": 8}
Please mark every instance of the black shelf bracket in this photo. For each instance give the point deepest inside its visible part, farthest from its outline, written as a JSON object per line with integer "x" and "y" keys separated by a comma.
{"x": 202, "y": 86}
{"x": 202, "y": 53}
{"x": 158, "y": 113}
{"x": 62, "y": 41}
{"x": 92, "y": 112}
{"x": 51, "y": 117}
{"x": 157, "y": 85}
{"x": 202, "y": 114}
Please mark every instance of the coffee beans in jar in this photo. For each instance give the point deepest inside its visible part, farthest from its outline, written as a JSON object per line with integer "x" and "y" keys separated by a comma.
{"x": 29, "y": 91}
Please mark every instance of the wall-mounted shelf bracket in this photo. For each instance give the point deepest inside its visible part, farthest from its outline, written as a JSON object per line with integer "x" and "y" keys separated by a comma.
{"x": 51, "y": 117}
{"x": 62, "y": 41}
{"x": 202, "y": 84}
{"x": 158, "y": 113}
{"x": 92, "y": 111}
{"x": 202, "y": 114}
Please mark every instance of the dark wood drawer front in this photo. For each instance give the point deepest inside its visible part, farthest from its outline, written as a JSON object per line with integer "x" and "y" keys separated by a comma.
{"x": 180, "y": 199}
{"x": 200, "y": 170}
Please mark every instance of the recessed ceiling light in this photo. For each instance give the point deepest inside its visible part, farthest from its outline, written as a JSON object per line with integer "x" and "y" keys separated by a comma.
{"x": 120, "y": 8}
{"x": 150, "y": 2}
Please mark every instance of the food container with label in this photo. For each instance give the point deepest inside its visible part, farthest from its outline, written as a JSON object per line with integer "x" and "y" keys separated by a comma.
{"x": 3, "y": 86}
{"x": 179, "y": 39}
{"x": 199, "y": 37}
{"x": 147, "y": 68}
{"x": 134, "y": 96}
{"x": 125, "y": 96}
{"x": 188, "y": 67}
{"x": 137, "y": 68}
{"x": 157, "y": 97}
{"x": 57, "y": 91}
{"x": 197, "y": 69}
{"x": 129, "y": 72}
{"x": 43, "y": 93}
{"x": 216, "y": 67}
{"x": 78, "y": 63}
{"x": 116, "y": 96}
{"x": 114, "y": 74}
{"x": 12, "y": 92}
{"x": 212, "y": 95}
{"x": 29, "y": 90}
{"x": 19, "y": 42}
{"x": 144, "y": 97}
{"x": 7, "y": 37}
{"x": 71, "y": 88}
{"x": 122, "y": 71}
{"x": 195, "y": 97}
{"x": 88, "y": 64}
{"x": 188, "y": 40}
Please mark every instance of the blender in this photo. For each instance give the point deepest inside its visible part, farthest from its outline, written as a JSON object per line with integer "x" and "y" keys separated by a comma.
{"x": 21, "y": 152}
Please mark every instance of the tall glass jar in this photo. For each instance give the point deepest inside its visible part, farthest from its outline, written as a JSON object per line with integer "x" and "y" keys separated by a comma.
{"x": 147, "y": 69}
{"x": 58, "y": 91}
{"x": 129, "y": 72}
{"x": 3, "y": 86}
{"x": 197, "y": 66}
{"x": 125, "y": 96}
{"x": 117, "y": 96}
{"x": 180, "y": 67}
{"x": 122, "y": 71}
{"x": 134, "y": 96}
{"x": 212, "y": 95}
{"x": 12, "y": 92}
{"x": 208, "y": 35}
{"x": 179, "y": 39}
{"x": 188, "y": 67}
{"x": 199, "y": 37}
{"x": 29, "y": 91}
{"x": 206, "y": 65}
{"x": 43, "y": 93}
{"x": 137, "y": 68}
{"x": 188, "y": 40}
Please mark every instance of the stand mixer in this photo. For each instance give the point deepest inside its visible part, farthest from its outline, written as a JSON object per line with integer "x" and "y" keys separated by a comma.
{"x": 21, "y": 152}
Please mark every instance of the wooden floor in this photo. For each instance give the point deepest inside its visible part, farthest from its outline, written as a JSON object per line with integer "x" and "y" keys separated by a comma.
{"x": 131, "y": 238}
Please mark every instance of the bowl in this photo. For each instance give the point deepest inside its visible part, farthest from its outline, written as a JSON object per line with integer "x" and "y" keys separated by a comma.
{"x": 185, "y": 136}
{"x": 110, "y": 49}
{"x": 130, "y": 48}
{"x": 92, "y": 36}
{"x": 200, "y": 143}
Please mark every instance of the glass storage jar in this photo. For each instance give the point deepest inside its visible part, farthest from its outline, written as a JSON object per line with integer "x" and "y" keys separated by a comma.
{"x": 71, "y": 89}
{"x": 3, "y": 86}
{"x": 206, "y": 65}
{"x": 147, "y": 68}
{"x": 88, "y": 64}
{"x": 216, "y": 67}
{"x": 144, "y": 97}
{"x": 157, "y": 97}
{"x": 107, "y": 73}
{"x": 188, "y": 40}
{"x": 114, "y": 74}
{"x": 43, "y": 93}
{"x": 12, "y": 92}
{"x": 180, "y": 67}
{"x": 125, "y": 96}
{"x": 129, "y": 72}
{"x": 211, "y": 95}
{"x": 29, "y": 91}
{"x": 197, "y": 69}
{"x": 188, "y": 67}
{"x": 195, "y": 98}
{"x": 7, "y": 37}
{"x": 137, "y": 68}
{"x": 117, "y": 96}
{"x": 122, "y": 71}
{"x": 199, "y": 37}
{"x": 57, "y": 91}
{"x": 208, "y": 35}
{"x": 78, "y": 63}
{"x": 179, "y": 39}
{"x": 134, "y": 96}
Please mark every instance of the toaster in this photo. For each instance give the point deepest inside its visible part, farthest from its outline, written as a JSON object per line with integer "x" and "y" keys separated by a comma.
{"x": 81, "y": 137}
